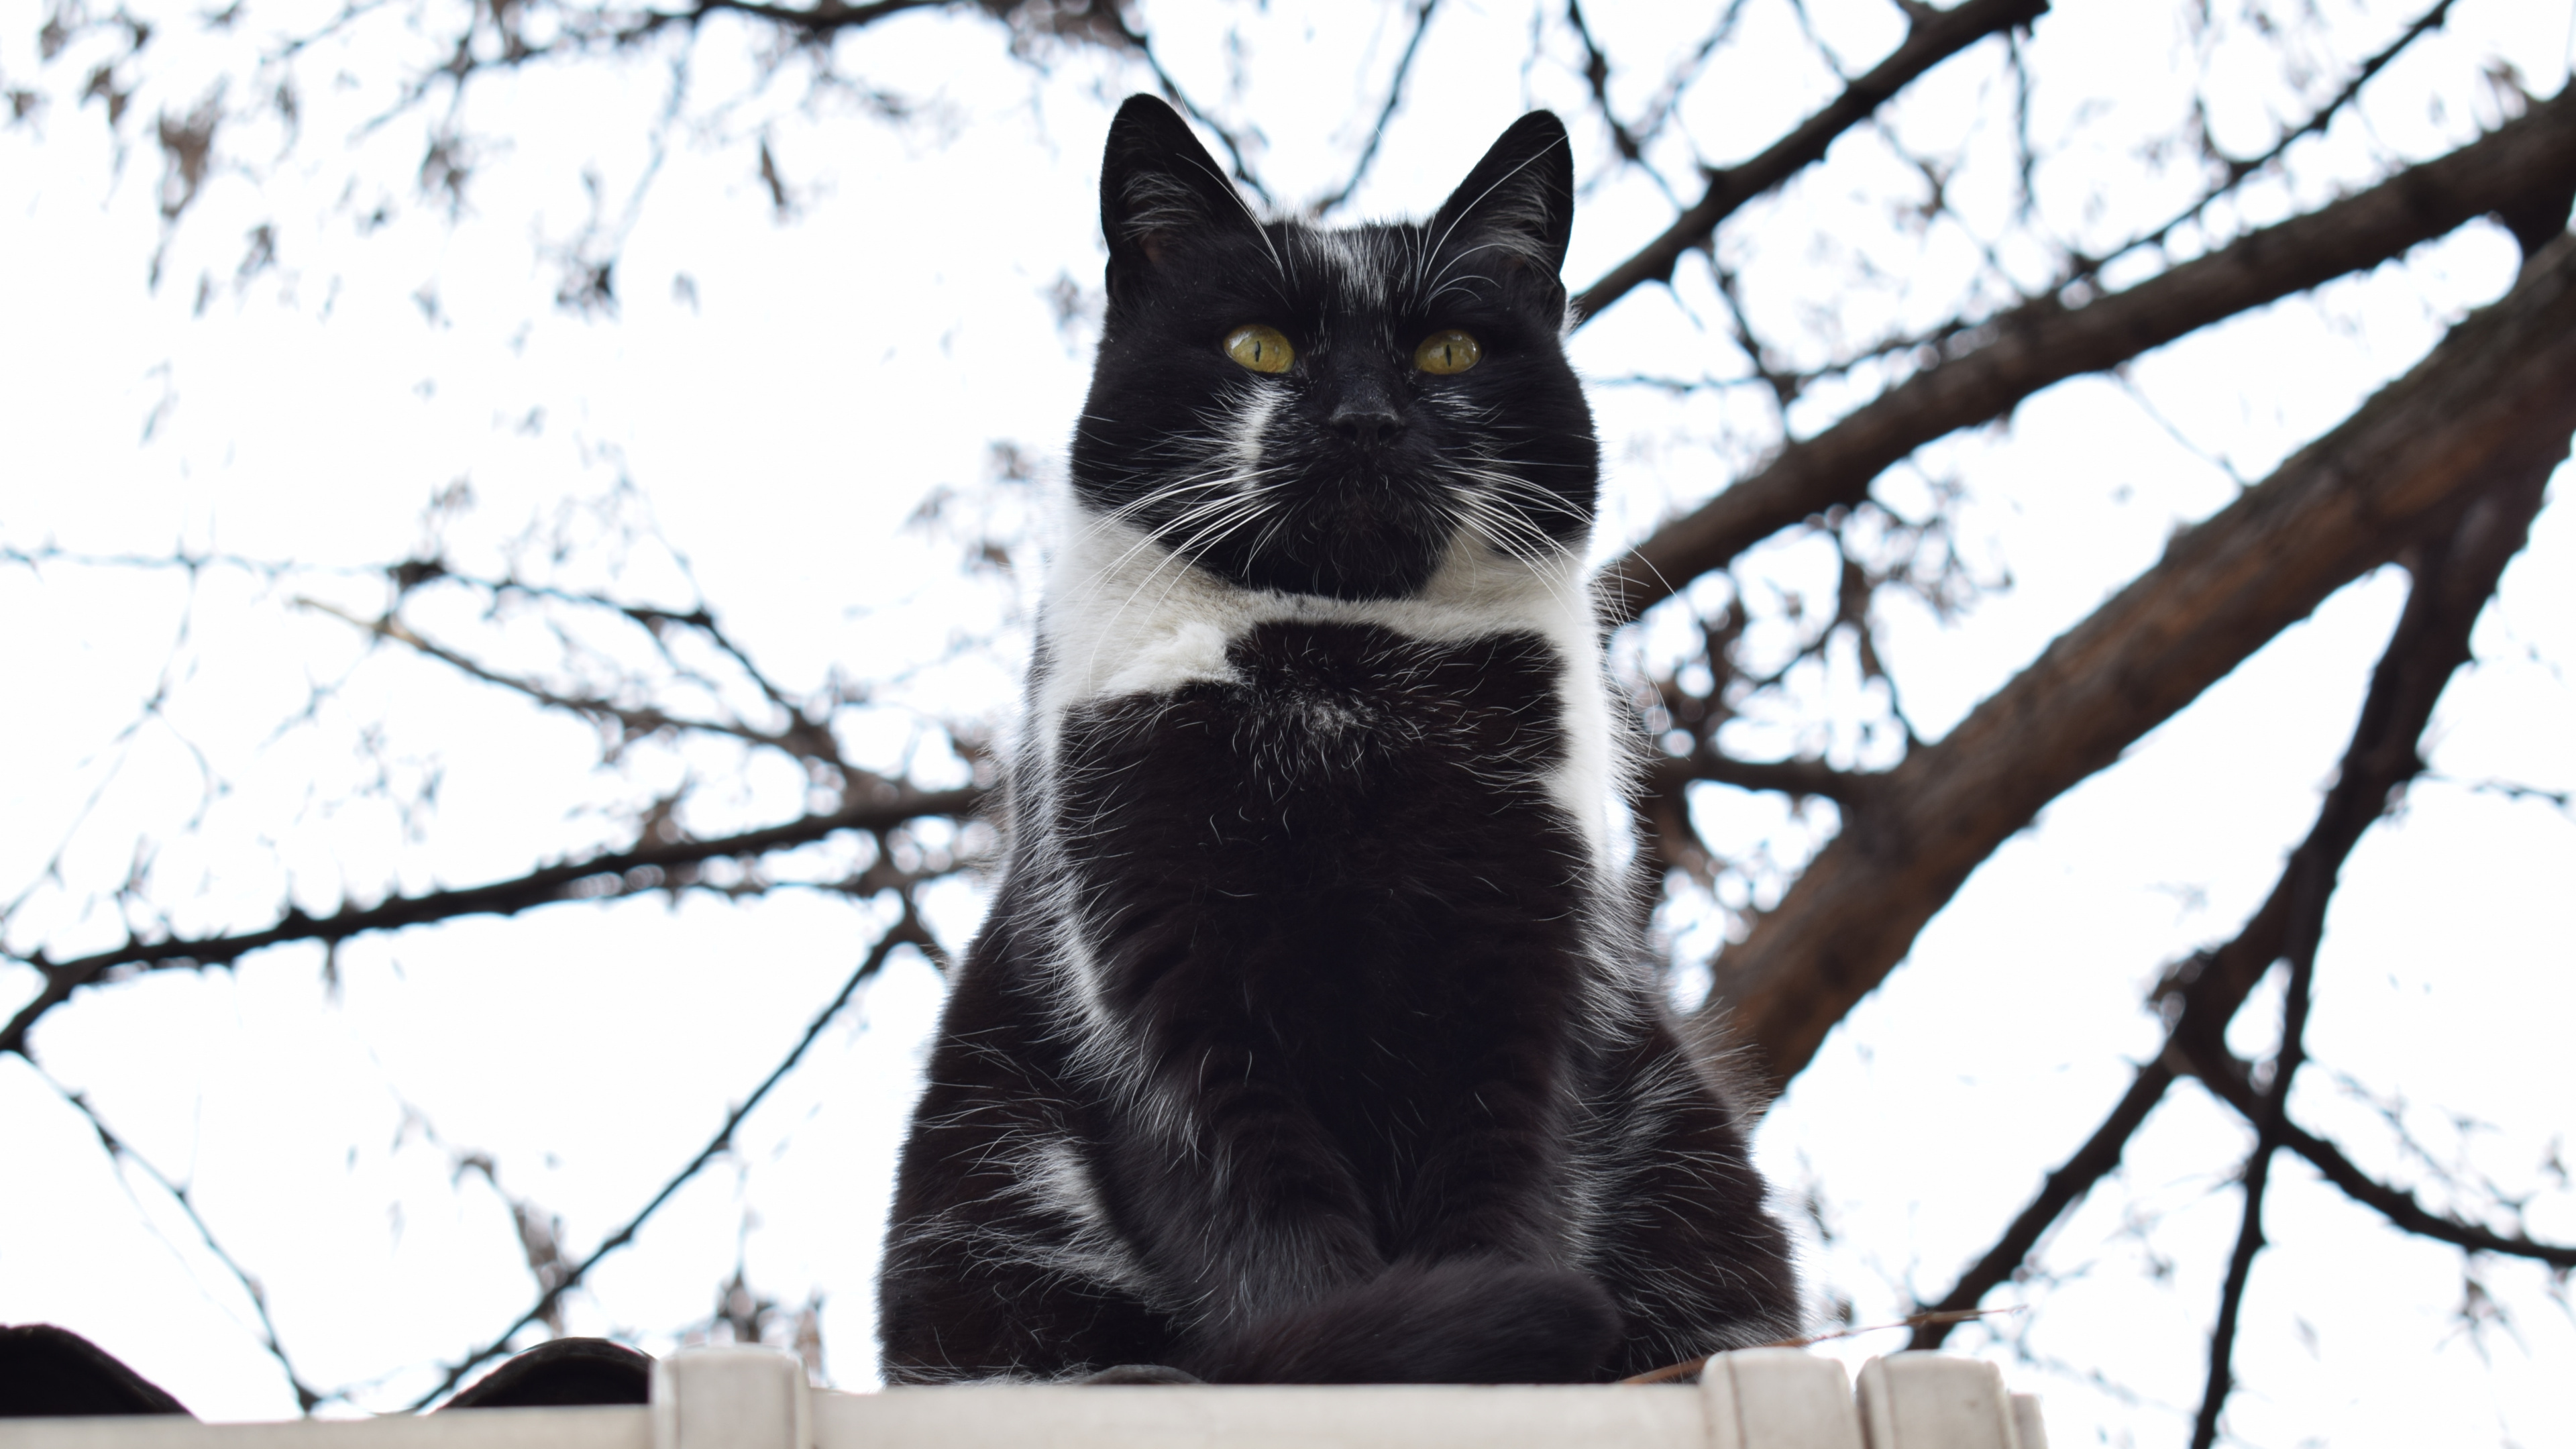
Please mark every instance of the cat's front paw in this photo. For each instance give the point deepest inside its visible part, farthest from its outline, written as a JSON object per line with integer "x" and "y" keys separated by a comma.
{"x": 1464, "y": 1321}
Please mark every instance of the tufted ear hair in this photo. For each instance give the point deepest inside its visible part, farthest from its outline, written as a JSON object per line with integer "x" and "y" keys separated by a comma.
{"x": 1159, "y": 186}
{"x": 1518, "y": 204}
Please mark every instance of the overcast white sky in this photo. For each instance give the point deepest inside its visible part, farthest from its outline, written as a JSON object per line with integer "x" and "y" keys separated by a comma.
{"x": 774, "y": 399}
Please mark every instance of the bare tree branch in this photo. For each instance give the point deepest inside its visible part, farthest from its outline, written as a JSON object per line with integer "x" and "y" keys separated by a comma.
{"x": 652, "y": 865}
{"x": 2496, "y": 398}
{"x": 2079, "y": 269}
{"x": 2453, "y": 578}
{"x": 1984, "y": 372}
{"x": 1671, "y": 776}
{"x": 906, "y": 931}
{"x": 2061, "y": 1190}
{"x": 588, "y": 27}
{"x": 2236, "y": 169}
{"x": 1394, "y": 97}
{"x": 811, "y": 21}
{"x": 1630, "y": 139}
{"x": 1596, "y": 73}
{"x": 1933, "y": 37}
{"x": 1235, "y": 156}
{"x": 2230, "y": 1079}
{"x": 120, "y": 1150}
{"x": 2311, "y": 879}
{"x": 2432, "y": 639}
{"x": 801, "y": 737}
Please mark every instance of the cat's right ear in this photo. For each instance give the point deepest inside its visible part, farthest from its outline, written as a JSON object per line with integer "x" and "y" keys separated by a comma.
{"x": 1517, "y": 206}
{"x": 1158, "y": 188}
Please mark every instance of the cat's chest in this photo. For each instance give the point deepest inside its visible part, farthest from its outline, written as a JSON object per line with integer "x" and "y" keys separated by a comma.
{"x": 1335, "y": 708}
{"x": 1161, "y": 694}
{"x": 1352, "y": 690}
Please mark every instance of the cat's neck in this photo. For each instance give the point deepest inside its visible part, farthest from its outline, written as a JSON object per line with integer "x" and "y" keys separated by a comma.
{"x": 1124, "y": 615}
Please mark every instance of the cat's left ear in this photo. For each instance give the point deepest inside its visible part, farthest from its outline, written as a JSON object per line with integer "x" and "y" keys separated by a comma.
{"x": 1159, "y": 187}
{"x": 1518, "y": 204}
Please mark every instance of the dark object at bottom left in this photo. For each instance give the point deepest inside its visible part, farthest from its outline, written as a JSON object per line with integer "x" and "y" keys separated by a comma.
{"x": 48, "y": 1372}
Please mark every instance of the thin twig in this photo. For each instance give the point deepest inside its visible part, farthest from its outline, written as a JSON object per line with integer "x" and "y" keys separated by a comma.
{"x": 906, "y": 930}
{"x": 647, "y": 866}
{"x": 2229, "y": 1079}
{"x": 1234, "y": 152}
{"x": 1800, "y": 778}
{"x": 2308, "y": 899}
{"x": 803, "y": 738}
{"x": 1394, "y": 94}
{"x": 2067, "y": 1186}
{"x": 121, "y": 1150}
{"x": 1596, "y": 73}
{"x": 810, "y": 19}
{"x": 2083, "y": 270}
{"x": 1934, "y": 37}
{"x": 2238, "y": 170}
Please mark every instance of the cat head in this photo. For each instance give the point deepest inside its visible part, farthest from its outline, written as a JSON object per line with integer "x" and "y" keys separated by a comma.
{"x": 1334, "y": 411}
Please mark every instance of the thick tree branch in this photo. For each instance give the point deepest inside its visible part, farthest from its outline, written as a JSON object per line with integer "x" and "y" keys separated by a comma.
{"x": 2497, "y": 399}
{"x": 2454, "y": 576}
{"x": 645, "y": 866}
{"x": 1987, "y": 370}
{"x": 1934, "y": 37}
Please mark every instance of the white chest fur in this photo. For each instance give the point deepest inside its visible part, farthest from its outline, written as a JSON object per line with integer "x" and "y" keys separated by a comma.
{"x": 1124, "y": 616}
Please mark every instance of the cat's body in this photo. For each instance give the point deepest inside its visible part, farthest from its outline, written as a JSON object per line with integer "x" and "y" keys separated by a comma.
{"x": 1312, "y": 1036}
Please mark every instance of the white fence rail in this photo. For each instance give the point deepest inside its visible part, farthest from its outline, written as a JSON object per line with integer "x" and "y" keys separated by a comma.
{"x": 754, "y": 1399}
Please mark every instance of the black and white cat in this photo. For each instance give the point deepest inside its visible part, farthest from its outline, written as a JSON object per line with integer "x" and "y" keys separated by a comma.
{"x": 1313, "y": 1037}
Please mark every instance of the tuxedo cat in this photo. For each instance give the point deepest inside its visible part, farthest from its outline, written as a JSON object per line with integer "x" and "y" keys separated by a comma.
{"x": 1313, "y": 1037}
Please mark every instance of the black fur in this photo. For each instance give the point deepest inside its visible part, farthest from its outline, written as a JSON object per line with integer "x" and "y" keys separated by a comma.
{"x": 1367, "y": 440}
{"x": 1311, "y": 1038}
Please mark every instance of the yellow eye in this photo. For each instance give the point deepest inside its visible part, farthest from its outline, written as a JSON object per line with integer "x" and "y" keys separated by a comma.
{"x": 1260, "y": 348}
{"x": 1446, "y": 351}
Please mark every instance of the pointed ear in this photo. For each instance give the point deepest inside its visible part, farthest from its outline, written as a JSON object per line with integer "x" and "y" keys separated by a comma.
{"x": 1158, "y": 186}
{"x": 1519, "y": 201}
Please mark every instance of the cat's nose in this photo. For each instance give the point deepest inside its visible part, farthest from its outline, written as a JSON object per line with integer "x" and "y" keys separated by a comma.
{"x": 1367, "y": 417}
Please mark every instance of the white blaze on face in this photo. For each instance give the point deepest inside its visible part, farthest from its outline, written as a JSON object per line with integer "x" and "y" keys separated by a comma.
{"x": 1245, "y": 436}
{"x": 1357, "y": 275}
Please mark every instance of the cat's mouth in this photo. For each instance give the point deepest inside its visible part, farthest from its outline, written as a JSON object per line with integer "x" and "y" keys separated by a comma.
{"x": 1368, "y": 531}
